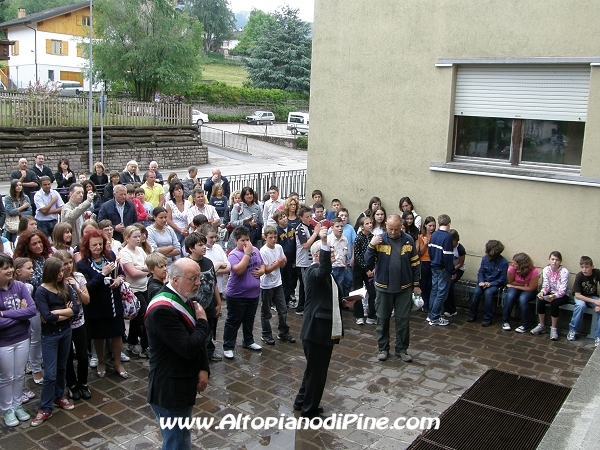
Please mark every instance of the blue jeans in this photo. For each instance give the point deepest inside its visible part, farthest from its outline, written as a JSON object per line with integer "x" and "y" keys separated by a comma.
{"x": 343, "y": 276}
{"x": 46, "y": 226}
{"x": 489, "y": 294}
{"x": 55, "y": 351}
{"x": 578, "y": 311}
{"x": 440, "y": 284}
{"x": 524, "y": 298}
{"x": 240, "y": 311}
{"x": 176, "y": 438}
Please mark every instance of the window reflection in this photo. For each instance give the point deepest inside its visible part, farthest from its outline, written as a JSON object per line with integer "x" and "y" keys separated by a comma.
{"x": 553, "y": 142}
{"x": 483, "y": 137}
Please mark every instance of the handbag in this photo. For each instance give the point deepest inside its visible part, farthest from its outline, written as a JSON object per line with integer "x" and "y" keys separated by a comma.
{"x": 11, "y": 224}
{"x": 131, "y": 304}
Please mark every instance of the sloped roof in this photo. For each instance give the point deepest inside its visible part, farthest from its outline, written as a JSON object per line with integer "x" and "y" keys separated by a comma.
{"x": 43, "y": 15}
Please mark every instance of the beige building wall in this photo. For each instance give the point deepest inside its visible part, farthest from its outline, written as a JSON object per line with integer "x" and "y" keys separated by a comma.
{"x": 382, "y": 112}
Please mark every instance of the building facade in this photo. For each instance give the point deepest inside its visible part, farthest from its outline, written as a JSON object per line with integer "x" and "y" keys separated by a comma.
{"x": 486, "y": 111}
{"x": 48, "y": 46}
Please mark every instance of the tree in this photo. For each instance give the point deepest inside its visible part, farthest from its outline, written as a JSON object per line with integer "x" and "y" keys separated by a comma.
{"x": 257, "y": 22}
{"x": 280, "y": 58}
{"x": 217, "y": 19}
{"x": 146, "y": 46}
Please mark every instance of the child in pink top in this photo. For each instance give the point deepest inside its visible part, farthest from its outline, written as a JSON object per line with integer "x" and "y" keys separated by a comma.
{"x": 523, "y": 279}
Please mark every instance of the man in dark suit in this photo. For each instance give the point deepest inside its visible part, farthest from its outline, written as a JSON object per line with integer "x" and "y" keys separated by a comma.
{"x": 119, "y": 210}
{"x": 40, "y": 169}
{"x": 321, "y": 327}
{"x": 177, "y": 330}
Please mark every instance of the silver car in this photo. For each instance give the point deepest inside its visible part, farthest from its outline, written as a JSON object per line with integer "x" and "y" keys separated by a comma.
{"x": 260, "y": 117}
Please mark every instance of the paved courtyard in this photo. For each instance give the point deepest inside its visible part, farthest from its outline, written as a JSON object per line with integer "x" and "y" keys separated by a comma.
{"x": 447, "y": 360}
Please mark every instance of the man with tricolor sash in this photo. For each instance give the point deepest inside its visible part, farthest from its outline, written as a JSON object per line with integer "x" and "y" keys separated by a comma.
{"x": 177, "y": 330}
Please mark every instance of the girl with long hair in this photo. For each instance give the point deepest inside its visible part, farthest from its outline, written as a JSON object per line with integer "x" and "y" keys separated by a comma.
{"x": 379, "y": 218}
{"x": 62, "y": 236}
{"x": 16, "y": 308}
{"x": 422, "y": 244}
{"x": 76, "y": 382}
{"x": 411, "y": 229}
{"x": 177, "y": 209}
{"x": 57, "y": 303}
{"x": 374, "y": 203}
{"x": 16, "y": 203}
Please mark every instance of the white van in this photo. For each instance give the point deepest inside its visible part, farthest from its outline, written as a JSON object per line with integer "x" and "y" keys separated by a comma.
{"x": 298, "y": 122}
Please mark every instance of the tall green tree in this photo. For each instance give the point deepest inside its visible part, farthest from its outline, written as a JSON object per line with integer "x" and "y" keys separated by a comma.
{"x": 146, "y": 46}
{"x": 280, "y": 58}
{"x": 257, "y": 22}
{"x": 217, "y": 19}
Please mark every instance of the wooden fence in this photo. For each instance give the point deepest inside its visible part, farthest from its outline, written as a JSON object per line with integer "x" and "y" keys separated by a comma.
{"x": 22, "y": 111}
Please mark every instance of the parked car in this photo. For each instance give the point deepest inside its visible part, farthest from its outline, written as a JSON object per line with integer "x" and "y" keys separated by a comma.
{"x": 198, "y": 117}
{"x": 69, "y": 88}
{"x": 297, "y": 123}
{"x": 260, "y": 117}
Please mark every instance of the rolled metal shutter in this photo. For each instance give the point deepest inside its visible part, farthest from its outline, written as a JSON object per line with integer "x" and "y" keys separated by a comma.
{"x": 544, "y": 92}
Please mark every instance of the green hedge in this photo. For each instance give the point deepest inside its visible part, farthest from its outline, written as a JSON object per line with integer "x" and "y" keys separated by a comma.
{"x": 226, "y": 117}
{"x": 221, "y": 93}
{"x": 302, "y": 142}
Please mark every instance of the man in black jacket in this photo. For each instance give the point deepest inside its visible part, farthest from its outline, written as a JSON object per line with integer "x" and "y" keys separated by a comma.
{"x": 177, "y": 330}
{"x": 321, "y": 327}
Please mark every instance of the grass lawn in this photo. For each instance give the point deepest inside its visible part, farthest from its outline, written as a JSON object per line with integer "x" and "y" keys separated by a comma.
{"x": 231, "y": 74}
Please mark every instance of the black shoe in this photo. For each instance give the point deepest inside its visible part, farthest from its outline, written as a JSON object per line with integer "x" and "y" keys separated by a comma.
{"x": 486, "y": 323}
{"x": 298, "y": 407}
{"x": 74, "y": 392}
{"x": 84, "y": 390}
{"x": 215, "y": 357}
{"x": 471, "y": 319}
{"x": 287, "y": 338}
{"x": 268, "y": 340}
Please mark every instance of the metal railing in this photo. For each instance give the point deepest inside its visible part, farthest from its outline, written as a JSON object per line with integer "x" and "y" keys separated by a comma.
{"x": 287, "y": 181}
{"x": 224, "y": 138}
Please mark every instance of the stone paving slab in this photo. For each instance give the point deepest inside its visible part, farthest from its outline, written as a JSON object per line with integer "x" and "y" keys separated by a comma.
{"x": 446, "y": 361}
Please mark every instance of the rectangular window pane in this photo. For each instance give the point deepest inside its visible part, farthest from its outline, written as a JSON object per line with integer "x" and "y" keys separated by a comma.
{"x": 56, "y": 47}
{"x": 554, "y": 142}
{"x": 483, "y": 137}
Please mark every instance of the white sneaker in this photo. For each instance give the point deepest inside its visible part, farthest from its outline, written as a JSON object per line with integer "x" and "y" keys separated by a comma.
{"x": 371, "y": 321}
{"x": 597, "y": 342}
{"x": 10, "y": 419}
{"x": 506, "y": 326}
{"x": 571, "y": 336}
{"x": 228, "y": 354}
{"x": 21, "y": 414}
{"x": 94, "y": 362}
{"x": 360, "y": 321}
{"x": 540, "y": 329}
{"x": 125, "y": 358}
{"x": 253, "y": 346}
{"x": 135, "y": 349}
{"x": 554, "y": 334}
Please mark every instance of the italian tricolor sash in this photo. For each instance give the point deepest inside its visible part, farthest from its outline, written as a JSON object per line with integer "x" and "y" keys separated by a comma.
{"x": 173, "y": 301}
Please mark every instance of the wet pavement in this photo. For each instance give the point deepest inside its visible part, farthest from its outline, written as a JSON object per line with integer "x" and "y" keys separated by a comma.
{"x": 446, "y": 361}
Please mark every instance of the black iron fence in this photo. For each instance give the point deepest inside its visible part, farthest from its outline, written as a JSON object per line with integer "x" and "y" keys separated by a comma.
{"x": 222, "y": 138}
{"x": 287, "y": 181}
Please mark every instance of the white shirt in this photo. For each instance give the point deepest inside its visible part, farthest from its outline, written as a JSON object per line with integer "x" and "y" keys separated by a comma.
{"x": 340, "y": 250}
{"x": 269, "y": 256}
{"x": 41, "y": 199}
{"x": 269, "y": 208}
{"x": 216, "y": 254}
{"x": 209, "y": 211}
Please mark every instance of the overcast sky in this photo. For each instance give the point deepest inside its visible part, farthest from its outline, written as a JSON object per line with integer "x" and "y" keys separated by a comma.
{"x": 306, "y": 7}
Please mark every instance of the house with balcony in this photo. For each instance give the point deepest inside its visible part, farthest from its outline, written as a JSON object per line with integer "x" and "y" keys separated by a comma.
{"x": 48, "y": 46}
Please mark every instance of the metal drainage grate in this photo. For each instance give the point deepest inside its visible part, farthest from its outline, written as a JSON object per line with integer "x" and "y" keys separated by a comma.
{"x": 501, "y": 411}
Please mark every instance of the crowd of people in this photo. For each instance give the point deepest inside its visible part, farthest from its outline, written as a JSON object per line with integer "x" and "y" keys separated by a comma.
{"x": 76, "y": 248}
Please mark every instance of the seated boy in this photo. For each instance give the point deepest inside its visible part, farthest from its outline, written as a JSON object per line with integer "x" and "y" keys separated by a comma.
{"x": 157, "y": 266}
{"x": 490, "y": 278}
{"x": 140, "y": 195}
{"x": 271, "y": 289}
{"x": 585, "y": 289}
{"x": 339, "y": 246}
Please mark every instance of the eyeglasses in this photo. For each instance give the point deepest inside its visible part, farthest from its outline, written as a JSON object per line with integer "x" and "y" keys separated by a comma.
{"x": 193, "y": 279}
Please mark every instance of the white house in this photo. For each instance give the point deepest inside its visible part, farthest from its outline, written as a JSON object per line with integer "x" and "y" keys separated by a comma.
{"x": 48, "y": 46}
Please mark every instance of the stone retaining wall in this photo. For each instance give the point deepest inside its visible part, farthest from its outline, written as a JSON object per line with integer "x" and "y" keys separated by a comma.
{"x": 177, "y": 146}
